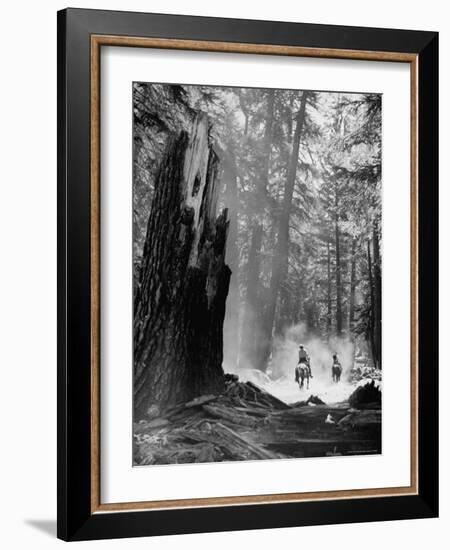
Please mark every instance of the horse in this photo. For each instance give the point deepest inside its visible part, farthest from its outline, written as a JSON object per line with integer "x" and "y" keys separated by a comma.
{"x": 336, "y": 371}
{"x": 302, "y": 372}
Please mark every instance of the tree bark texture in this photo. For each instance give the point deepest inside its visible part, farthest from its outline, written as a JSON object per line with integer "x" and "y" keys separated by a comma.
{"x": 180, "y": 306}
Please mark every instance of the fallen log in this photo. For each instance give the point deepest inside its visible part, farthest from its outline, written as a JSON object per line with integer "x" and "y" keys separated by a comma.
{"x": 267, "y": 397}
{"x": 143, "y": 426}
{"x": 362, "y": 419}
{"x": 230, "y": 415}
{"x": 202, "y": 400}
{"x": 234, "y": 437}
{"x": 255, "y": 411}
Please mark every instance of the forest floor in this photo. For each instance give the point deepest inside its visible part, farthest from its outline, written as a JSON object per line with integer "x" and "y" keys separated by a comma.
{"x": 247, "y": 422}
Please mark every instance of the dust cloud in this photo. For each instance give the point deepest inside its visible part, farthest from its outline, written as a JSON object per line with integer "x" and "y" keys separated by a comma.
{"x": 279, "y": 378}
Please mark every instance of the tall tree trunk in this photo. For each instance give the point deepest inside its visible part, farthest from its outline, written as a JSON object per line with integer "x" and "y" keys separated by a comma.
{"x": 372, "y": 307}
{"x": 329, "y": 303}
{"x": 268, "y": 136}
{"x": 231, "y": 325}
{"x": 284, "y": 313}
{"x": 242, "y": 104}
{"x": 311, "y": 312}
{"x": 351, "y": 312}
{"x": 377, "y": 294}
{"x": 280, "y": 257}
{"x": 290, "y": 124}
{"x": 249, "y": 331}
{"x": 184, "y": 282}
{"x": 338, "y": 265}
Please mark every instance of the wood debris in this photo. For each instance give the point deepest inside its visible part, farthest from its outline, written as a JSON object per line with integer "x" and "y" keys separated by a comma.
{"x": 246, "y": 422}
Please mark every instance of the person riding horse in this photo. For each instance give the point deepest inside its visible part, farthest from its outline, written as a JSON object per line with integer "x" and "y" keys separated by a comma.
{"x": 336, "y": 369}
{"x": 303, "y": 368}
{"x": 303, "y": 357}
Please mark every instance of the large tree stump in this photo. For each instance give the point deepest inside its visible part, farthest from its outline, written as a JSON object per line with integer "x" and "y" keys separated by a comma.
{"x": 180, "y": 300}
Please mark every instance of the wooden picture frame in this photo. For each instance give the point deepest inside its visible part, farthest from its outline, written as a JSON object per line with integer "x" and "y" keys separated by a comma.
{"x": 81, "y": 35}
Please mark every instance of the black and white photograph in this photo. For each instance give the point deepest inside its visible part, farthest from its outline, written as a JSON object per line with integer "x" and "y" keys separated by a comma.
{"x": 224, "y": 285}
{"x": 257, "y": 273}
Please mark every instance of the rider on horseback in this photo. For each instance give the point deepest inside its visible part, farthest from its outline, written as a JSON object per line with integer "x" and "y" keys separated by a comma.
{"x": 303, "y": 357}
{"x": 336, "y": 368}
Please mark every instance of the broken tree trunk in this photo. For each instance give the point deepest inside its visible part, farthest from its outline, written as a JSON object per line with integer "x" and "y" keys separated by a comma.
{"x": 180, "y": 307}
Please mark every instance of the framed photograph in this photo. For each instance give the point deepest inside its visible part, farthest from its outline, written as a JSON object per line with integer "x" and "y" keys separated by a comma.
{"x": 247, "y": 255}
